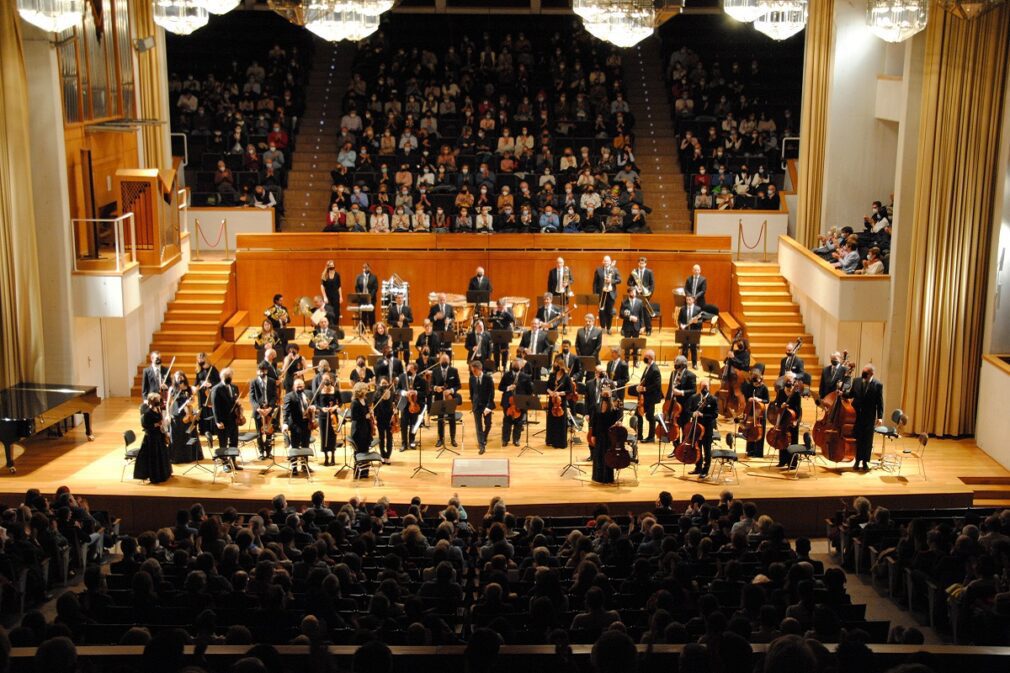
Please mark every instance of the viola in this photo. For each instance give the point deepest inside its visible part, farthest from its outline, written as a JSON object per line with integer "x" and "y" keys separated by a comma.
{"x": 617, "y": 457}
{"x": 557, "y": 409}
{"x": 688, "y": 450}
{"x": 413, "y": 403}
{"x": 239, "y": 414}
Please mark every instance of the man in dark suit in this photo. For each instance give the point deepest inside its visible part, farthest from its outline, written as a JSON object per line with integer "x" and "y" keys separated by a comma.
{"x": 706, "y": 408}
{"x": 207, "y": 376}
{"x": 689, "y": 318}
{"x": 480, "y": 282}
{"x": 534, "y": 340}
{"x": 400, "y": 316}
{"x": 296, "y": 420}
{"x": 571, "y": 361}
{"x": 833, "y": 375}
{"x": 696, "y": 285}
{"x": 409, "y": 380}
{"x": 500, "y": 319}
{"x": 867, "y": 394}
{"x": 513, "y": 382}
{"x": 559, "y": 279}
{"x": 549, "y": 312}
{"x": 589, "y": 339}
{"x": 633, "y": 315}
{"x": 442, "y": 315}
{"x": 323, "y": 310}
{"x": 617, "y": 372}
{"x": 155, "y": 377}
{"x": 367, "y": 283}
{"x": 604, "y": 277}
{"x": 791, "y": 362}
{"x": 481, "y": 402}
{"x": 651, "y": 387}
{"x": 643, "y": 278}
{"x": 263, "y": 400}
{"x": 387, "y": 365}
{"x": 682, "y": 386}
{"x": 445, "y": 378}
{"x": 428, "y": 339}
{"x": 478, "y": 343}
{"x": 223, "y": 399}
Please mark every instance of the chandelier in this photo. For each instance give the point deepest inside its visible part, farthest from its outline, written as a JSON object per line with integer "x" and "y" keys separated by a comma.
{"x": 623, "y": 23}
{"x": 896, "y": 20}
{"x": 783, "y": 18}
{"x": 54, "y": 16}
{"x": 181, "y": 17}
{"x": 968, "y": 9}
{"x": 219, "y": 6}
{"x": 336, "y": 20}
{"x": 374, "y": 7}
{"x": 589, "y": 10}
{"x": 744, "y": 11}
{"x": 291, "y": 10}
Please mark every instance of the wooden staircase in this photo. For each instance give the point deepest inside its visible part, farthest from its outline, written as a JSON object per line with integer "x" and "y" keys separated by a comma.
{"x": 763, "y": 304}
{"x": 991, "y": 491}
{"x": 655, "y": 140}
{"x": 204, "y": 300}
{"x": 307, "y": 196}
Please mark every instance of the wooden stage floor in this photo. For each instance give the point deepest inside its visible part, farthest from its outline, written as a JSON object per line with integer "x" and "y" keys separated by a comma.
{"x": 94, "y": 468}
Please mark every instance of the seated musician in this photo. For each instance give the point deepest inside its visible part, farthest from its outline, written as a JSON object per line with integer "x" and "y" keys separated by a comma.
{"x": 442, "y": 315}
{"x": 380, "y": 338}
{"x": 548, "y": 314}
{"x": 500, "y": 319}
{"x": 534, "y": 340}
{"x": 689, "y": 318}
{"x": 324, "y": 341}
{"x": 400, "y": 316}
{"x": 428, "y": 339}
{"x": 323, "y": 310}
{"x": 478, "y": 343}
{"x": 589, "y": 339}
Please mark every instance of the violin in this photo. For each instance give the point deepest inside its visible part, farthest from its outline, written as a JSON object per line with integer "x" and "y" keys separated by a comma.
{"x": 617, "y": 457}
{"x": 557, "y": 403}
{"x": 413, "y": 403}
{"x": 513, "y": 410}
{"x": 688, "y": 450}
{"x": 239, "y": 413}
{"x": 731, "y": 400}
{"x": 834, "y": 432}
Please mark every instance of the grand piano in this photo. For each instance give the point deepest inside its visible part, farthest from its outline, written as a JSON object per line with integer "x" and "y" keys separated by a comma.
{"x": 29, "y": 408}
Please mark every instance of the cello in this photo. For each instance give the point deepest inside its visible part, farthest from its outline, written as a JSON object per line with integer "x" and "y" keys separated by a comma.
{"x": 687, "y": 451}
{"x": 672, "y": 410}
{"x": 617, "y": 457}
{"x": 786, "y": 419}
{"x": 751, "y": 428}
{"x": 834, "y": 432}
{"x": 731, "y": 400}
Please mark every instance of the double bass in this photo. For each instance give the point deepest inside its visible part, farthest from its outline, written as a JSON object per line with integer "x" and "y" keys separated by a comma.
{"x": 688, "y": 450}
{"x": 834, "y": 432}
{"x": 731, "y": 400}
{"x": 617, "y": 457}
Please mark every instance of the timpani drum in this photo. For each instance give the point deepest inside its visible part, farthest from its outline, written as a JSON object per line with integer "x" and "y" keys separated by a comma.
{"x": 520, "y": 308}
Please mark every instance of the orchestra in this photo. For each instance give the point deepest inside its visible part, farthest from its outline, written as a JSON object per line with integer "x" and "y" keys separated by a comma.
{"x": 583, "y": 386}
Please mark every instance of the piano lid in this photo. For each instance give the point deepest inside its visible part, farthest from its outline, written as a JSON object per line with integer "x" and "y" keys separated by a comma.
{"x": 28, "y": 400}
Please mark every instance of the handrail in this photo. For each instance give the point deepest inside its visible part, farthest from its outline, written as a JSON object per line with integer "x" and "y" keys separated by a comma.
{"x": 222, "y": 233}
{"x": 790, "y": 242}
{"x": 185, "y": 147}
{"x": 121, "y": 245}
{"x": 741, "y": 242}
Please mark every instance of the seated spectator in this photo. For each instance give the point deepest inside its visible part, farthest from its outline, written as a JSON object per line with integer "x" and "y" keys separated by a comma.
{"x": 421, "y": 221}
{"x": 440, "y": 222}
{"x": 571, "y": 222}
{"x": 848, "y": 258}
{"x": 872, "y": 265}
{"x": 484, "y": 222}
{"x": 634, "y": 221}
{"x": 768, "y": 198}
{"x": 463, "y": 222}
{"x": 347, "y": 157}
{"x": 401, "y": 219}
{"x": 262, "y": 198}
{"x": 702, "y": 199}
{"x": 549, "y": 220}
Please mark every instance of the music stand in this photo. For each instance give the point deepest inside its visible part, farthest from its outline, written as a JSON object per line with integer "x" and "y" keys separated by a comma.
{"x": 552, "y": 337}
{"x": 502, "y": 339}
{"x": 712, "y": 367}
{"x": 633, "y": 347}
{"x": 572, "y": 426}
{"x": 589, "y": 363}
{"x": 196, "y": 463}
{"x": 401, "y": 335}
{"x": 420, "y": 467}
{"x": 689, "y": 338}
{"x": 526, "y": 404}
{"x": 479, "y": 299}
{"x": 444, "y": 409}
{"x": 659, "y": 448}
{"x": 444, "y": 343}
{"x": 359, "y": 299}
{"x": 538, "y": 361}
{"x": 333, "y": 360}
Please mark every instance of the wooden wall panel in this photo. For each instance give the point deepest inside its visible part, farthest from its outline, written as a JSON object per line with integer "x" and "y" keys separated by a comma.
{"x": 109, "y": 153}
{"x": 296, "y": 273}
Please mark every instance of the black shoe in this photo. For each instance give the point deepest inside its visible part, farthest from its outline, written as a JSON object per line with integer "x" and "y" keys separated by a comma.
{"x": 454, "y": 444}
{"x": 439, "y": 444}
{"x": 702, "y": 475}
{"x": 515, "y": 443}
{"x": 587, "y": 459}
{"x": 649, "y": 440}
{"x": 480, "y": 452}
{"x": 671, "y": 454}
{"x": 402, "y": 449}
{"x": 695, "y": 471}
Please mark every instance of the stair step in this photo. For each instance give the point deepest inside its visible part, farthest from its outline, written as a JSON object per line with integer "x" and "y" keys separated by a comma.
{"x": 1003, "y": 481}
{"x": 210, "y": 327}
{"x": 995, "y": 502}
{"x": 768, "y": 294}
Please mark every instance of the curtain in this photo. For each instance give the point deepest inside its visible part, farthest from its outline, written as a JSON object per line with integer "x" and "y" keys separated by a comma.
{"x": 152, "y": 85}
{"x": 21, "y": 343}
{"x": 813, "y": 120}
{"x": 964, "y": 81}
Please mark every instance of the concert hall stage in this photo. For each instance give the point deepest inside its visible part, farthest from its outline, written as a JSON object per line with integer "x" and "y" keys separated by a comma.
{"x": 94, "y": 468}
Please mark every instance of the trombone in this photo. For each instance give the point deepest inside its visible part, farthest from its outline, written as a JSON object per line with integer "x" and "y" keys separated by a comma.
{"x": 608, "y": 284}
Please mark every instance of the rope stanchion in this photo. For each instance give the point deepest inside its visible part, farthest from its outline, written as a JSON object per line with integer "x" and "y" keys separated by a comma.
{"x": 217, "y": 241}
{"x": 741, "y": 240}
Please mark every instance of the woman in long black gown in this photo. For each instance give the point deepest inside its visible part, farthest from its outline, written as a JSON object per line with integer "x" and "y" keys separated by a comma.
{"x": 557, "y": 426}
{"x": 185, "y": 438}
{"x": 152, "y": 462}
{"x": 601, "y": 422}
{"x": 755, "y": 388}
{"x": 361, "y": 422}
{"x": 328, "y": 403}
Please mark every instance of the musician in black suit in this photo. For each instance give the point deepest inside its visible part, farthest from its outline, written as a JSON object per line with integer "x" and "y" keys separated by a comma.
{"x": 480, "y": 282}
{"x": 478, "y": 343}
{"x": 633, "y": 315}
{"x": 500, "y": 319}
{"x": 367, "y": 282}
{"x": 867, "y": 395}
{"x": 279, "y": 318}
{"x": 155, "y": 377}
{"x": 705, "y": 408}
{"x": 559, "y": 279}
{"x": 681, "y": 386}
{"x": 791, "y": 362}
{"x": 617, "y": 372}
{"x": 442, "y": 315}
{"x": 589, "y": 339}
{"x": 428, "y": 339}
{"x": 534, "y": 340}
{"x": 263, "y": 400}
{"x": 387, "y": 365}
{"x": 399, "y": 316}
{"x": 789, "y": 396}
{"x": 297, "y": 413}
{"x": 651, "y": 387}
{"x": 513, "y": 382}
{"x": 207, "y": 376}
{"x": 739, "y": 356}
{"x": 696, "y": 285}
{"x": 571, "y": 361}
{"x": 755, "y": 391}
{"x": 689, "y": 318}
{"x": 270, "y": 360}
{"x": 410, "y": 380}
{"x": 224, "y": 399}
{"x": 645, "y": 281}
{"x": 445, "y": 382}
{"x": 481, "y": 402}
{"x": 549, "y": 312}
{"x": 833, "y": 375}
{"x": 324, "y": 341}
{"x": 324, "y": 310}
{"x": 606, "y": 276}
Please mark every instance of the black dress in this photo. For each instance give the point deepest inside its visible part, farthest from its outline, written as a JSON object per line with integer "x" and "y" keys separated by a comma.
{"x": 289, "y": 374}
{"x": 152, "y": 461}
{"x": 185, "y": 440}
{"x": 760, "y": 391}
{"x": 212, "y": 376}
{"x": 331, "y": 286}
{"x": 557, "y": 426}
{"x": 361, "y": 426}
{"x": 327, "y": 431}
{"x": 601, "y": 423}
